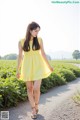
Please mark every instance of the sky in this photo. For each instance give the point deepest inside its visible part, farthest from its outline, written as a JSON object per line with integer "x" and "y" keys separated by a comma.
{"x": 60, "y": 24}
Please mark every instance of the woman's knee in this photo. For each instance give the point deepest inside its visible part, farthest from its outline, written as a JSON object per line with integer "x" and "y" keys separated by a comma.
{"x": 36, "y": 89}
{"x": 37, "y": 85}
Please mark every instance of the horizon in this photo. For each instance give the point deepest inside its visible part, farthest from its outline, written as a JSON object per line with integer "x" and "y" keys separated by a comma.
{"x": 54, "y": 55}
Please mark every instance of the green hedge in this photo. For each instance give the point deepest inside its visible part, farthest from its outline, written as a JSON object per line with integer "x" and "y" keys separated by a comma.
{"x": 12, "y": 91}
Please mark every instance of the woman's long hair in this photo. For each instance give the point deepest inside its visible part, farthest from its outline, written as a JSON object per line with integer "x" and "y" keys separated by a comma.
{"x": 26, "y": 46}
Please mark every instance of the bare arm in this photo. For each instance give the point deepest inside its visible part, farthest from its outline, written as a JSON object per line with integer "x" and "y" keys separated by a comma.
{"x": 20, "y": 55}
{"x": 43, "y": 54}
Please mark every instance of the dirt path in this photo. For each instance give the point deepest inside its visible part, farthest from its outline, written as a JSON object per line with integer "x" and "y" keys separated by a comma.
{"x": 68, "y": 110}
{"x": 49, "y": 103}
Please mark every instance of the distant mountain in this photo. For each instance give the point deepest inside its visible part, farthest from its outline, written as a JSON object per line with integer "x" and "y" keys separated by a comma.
{"x": 60, "y": 55}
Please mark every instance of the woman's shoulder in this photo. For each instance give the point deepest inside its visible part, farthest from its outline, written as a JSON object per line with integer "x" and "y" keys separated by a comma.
{"x": 40, "y": 39}
{"x": 22, "y": 41}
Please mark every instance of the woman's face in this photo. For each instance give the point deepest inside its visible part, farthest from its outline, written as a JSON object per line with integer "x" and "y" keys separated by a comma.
{"x": 34, "y": 33}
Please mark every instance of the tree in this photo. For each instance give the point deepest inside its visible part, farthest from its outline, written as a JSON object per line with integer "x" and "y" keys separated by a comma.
{"x": 76, "y": 54}
{"x": 10, "y": 57}
{"x": 0, "y": 56}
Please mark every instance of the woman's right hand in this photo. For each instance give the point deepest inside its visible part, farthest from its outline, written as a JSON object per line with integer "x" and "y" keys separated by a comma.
{"x": 18, "y": 75}
{"x": 51, "y": 68}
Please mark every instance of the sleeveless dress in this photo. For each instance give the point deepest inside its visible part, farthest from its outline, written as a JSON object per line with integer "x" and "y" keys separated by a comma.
{"x": 33, "y": 65}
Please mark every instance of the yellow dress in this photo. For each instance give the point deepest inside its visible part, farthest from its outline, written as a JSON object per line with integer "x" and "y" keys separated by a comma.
{"x": 33, "y": 66}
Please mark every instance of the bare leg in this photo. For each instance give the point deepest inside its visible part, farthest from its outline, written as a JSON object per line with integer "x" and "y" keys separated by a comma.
{"x": 37, "y": 85}
{"x": 29, "y": 85}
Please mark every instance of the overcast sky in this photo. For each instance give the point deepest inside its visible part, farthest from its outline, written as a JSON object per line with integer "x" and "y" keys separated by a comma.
{"x": 60, "y": 24}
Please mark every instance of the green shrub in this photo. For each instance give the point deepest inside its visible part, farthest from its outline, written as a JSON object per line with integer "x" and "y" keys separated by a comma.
{"x": 52, "y": 81}
{"x": 76, "y": 71}
{"x": 1, "y": 101}
{"x": 76, "y": 97}
{"x": 68, "y": 75}
{"x": 12, "y": 91}
{"x": 58, "y": 79}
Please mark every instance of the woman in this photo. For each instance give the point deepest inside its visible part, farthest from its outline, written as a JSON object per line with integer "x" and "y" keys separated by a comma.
{"x": 34, "y": 65}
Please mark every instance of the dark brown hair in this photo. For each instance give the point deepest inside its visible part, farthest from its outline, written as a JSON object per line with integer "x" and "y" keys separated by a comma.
{"x": 26, "y": 46}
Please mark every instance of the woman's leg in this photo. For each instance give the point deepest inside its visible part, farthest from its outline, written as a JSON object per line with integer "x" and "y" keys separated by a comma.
{"x": 29, "y": 85}
{"x": 37, "y": 85}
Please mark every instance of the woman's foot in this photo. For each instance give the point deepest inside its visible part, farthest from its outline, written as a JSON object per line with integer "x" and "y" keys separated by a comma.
{"x": 33, "y": 115}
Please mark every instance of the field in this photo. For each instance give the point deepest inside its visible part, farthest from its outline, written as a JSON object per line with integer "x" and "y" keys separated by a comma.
{"x": 12, "y": 90}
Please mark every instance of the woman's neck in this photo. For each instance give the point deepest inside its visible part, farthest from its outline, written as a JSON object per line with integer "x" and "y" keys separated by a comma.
{"x": 31, "y": 38}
